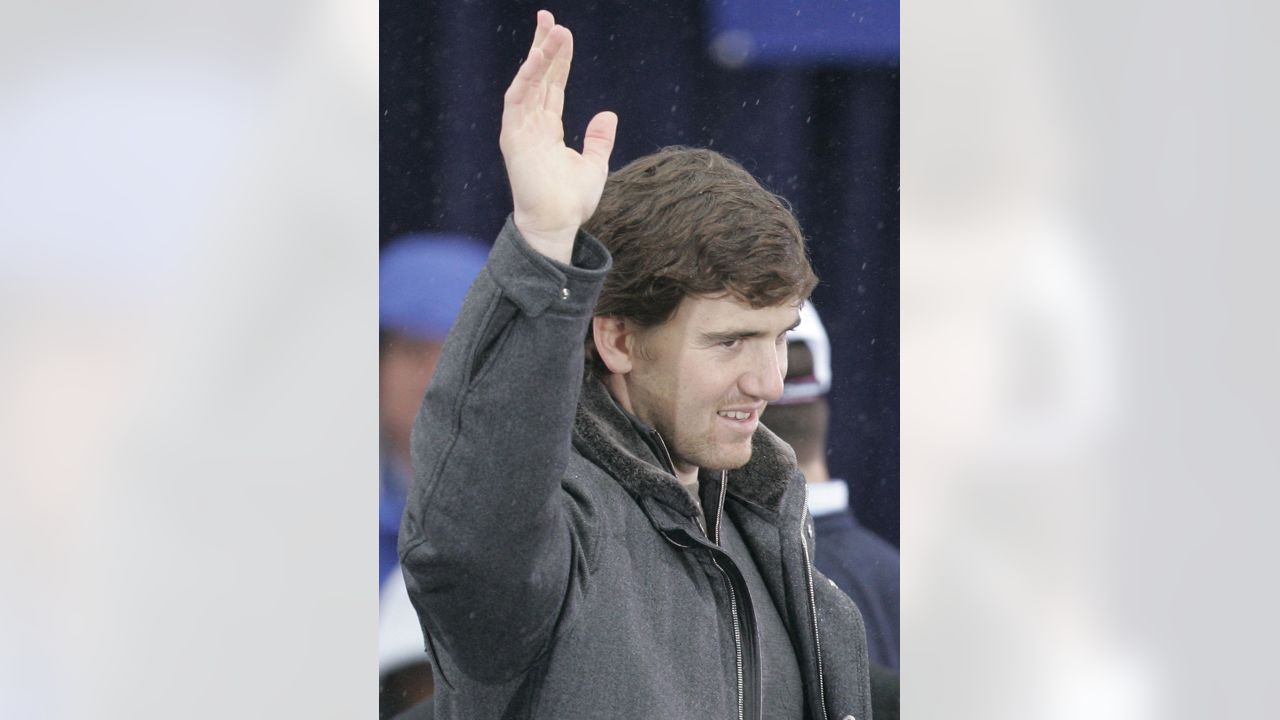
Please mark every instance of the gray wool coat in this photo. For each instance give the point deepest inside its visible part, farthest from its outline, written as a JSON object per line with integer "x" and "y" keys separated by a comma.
{"x": 555, "y": 563}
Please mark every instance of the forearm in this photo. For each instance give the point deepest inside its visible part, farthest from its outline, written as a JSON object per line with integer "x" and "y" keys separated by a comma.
{"x": 493, "y": 439}
{"x": 485, "y": 541}
{"x": 493, "y": 435}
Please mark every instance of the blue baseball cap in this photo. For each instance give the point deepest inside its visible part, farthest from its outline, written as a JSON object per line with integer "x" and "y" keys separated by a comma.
{"x": 422, "y": 279}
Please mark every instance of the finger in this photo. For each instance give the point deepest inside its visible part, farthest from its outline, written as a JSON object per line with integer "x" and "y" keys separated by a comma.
{"x": 546, "y": 21}
{"x": 558, "y": 75}
{"x": 528, "y": 81}
{"x": 597, "y": 144}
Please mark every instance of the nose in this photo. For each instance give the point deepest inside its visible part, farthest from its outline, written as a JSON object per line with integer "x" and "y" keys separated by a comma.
{"x": 763, "y": 379}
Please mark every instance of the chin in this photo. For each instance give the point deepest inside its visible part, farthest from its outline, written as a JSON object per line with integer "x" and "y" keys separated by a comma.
{"x": 729, "y": 459}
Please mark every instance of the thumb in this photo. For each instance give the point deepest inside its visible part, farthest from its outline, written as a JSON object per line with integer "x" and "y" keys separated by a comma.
{"x": 597, "y": 144}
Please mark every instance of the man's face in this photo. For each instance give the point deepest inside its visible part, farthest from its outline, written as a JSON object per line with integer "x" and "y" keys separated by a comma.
{"x": 702, "y": 378}
{"x": 406, "y": 367}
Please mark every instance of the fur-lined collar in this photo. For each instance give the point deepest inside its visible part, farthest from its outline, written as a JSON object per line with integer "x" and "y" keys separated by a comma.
{"x": 622, "y": 445}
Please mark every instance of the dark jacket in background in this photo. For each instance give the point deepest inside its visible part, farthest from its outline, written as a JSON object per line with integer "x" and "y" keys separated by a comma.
{"x": 866, "y": 568}
{"x": 555, "y": 563}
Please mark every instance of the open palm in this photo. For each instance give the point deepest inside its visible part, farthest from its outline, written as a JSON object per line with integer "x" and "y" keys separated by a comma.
{"x": 554, "y": 188}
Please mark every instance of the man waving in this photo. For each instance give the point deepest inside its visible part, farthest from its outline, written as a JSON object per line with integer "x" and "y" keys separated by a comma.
{"x": 599, "y": 526}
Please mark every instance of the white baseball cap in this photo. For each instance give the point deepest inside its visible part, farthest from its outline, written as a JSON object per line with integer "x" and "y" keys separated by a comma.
{"x": 804, "y": 388}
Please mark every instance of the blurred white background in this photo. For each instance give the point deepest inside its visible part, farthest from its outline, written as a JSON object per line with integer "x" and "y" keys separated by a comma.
{"x": 188, "y": 214}
{"x": 1088, "y": 360}
{"x": 188, "y": 209}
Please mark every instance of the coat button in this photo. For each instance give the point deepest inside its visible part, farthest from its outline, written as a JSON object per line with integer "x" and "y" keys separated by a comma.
{"x": 848, "y": 717}
{"x": 564, "y": 293}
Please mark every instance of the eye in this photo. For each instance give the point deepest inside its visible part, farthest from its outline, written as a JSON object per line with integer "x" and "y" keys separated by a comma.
{"x": 731, "y": 344}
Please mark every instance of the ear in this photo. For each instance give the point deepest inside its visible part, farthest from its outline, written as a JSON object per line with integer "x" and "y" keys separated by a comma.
{"x": 614, "y": 341}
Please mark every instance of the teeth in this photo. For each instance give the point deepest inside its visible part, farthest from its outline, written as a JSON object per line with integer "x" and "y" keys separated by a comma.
{"x": 735, "y": 415}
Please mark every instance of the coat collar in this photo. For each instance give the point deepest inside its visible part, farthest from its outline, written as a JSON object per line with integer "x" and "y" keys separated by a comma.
{"x": 629, "y": 450}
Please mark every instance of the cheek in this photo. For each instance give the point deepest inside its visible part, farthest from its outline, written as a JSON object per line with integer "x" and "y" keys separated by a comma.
{"x": 714, "y": 387}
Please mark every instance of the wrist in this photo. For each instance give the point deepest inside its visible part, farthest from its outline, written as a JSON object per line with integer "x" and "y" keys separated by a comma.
{"x": 555, "y": 244}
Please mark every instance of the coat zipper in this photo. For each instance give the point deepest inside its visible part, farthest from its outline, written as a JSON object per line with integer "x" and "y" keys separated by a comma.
{"x": 671, "y": 465}
{"x": 728, "y": 581}
{"x": 737, "y": 636}
{"x": 733, "y": 598}
{"x": 733, "y": 610}
{"x": 813, "y": 610}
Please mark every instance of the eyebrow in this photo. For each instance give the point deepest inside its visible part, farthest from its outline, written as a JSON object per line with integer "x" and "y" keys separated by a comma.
{"x": 728, "y": 335}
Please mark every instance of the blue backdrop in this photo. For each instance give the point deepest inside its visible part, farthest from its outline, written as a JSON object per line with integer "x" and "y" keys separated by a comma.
{"x": 817, "y": 124}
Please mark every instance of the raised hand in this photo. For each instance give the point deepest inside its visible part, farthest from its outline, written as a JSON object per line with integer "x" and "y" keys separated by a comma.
{"x": 554, "y": 188}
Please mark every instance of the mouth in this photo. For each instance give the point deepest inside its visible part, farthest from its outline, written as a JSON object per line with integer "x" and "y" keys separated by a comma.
{"x": 743, "y": 419}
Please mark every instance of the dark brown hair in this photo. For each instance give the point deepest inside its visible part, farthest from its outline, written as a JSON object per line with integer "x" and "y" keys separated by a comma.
{"x": 690, "y": 221}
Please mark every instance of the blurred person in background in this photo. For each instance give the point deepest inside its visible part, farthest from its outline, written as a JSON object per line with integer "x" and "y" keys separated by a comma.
{"x": 861, "y": 563}
{"x": 422, "y": 281}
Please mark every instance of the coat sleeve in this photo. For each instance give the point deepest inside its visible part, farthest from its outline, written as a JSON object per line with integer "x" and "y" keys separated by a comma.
{"x": 485, "y": 540}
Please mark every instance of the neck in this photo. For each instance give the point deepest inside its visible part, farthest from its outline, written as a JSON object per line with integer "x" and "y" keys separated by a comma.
{"x": 815, "y": 471}
{"x": 399, "y": 458}
{"x": 687, "y": 475}
{"x": 617, "y": 387}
